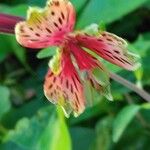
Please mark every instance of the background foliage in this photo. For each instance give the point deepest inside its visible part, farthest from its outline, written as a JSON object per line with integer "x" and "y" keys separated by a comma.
{"x": 29, "y": 122}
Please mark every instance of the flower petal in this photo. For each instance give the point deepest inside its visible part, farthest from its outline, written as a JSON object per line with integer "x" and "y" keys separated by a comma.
{"x": 110, "y": 47}
{"x": 96, "y": 72}
{"x": 65, "y": 89}
{"x": 46, "y": 27}
{"x": 84, "y": 60}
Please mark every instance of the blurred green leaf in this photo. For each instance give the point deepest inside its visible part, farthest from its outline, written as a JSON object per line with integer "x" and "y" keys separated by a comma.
{"x": 18, "y": 50}
{"x": 79, "y": 5}
{"x": 47, "y": 52}
{"x": 139, "y": 73}
{"x": 5, "y": 48}
{"x": 145, "y": 106}
{"x": 19, "y": 10}
{"x": 10, "y": 45}
{"x": 147, "y": 5}
{"x": 82, "y": 137}
{"x": 123, "y": 118}
{"x": 103, "y": 139}
{"x": 58, "y": 128}
{"x": 135, "y": 137}
{"x": 142, "y": 44}
{"x": 106, "y": 11}
{"x": 5, "y": 104}
{"x": 101, "y": 107}
{"x": 12, "y": 146}
{"x": 29, "y": 108}
{"x": 40, "y": 130}
{"x": 37, "y": 3}
{"x": 28, "y": 132}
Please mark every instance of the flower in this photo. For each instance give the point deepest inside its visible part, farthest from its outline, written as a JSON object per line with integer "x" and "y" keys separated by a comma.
{"x": 76, "y": 61}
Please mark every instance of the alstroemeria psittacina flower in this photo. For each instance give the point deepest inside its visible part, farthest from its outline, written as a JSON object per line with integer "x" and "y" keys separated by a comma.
{"x": 53, "y": 26}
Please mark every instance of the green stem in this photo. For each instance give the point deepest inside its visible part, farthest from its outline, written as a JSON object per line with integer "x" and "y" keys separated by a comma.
{"x": 133, "y": 87}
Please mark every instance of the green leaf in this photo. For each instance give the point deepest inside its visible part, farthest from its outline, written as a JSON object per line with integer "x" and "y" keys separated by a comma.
{"x": 55, "y": 132}
{"x": 47, "y": 52}
{"x": 82, "y": 137}
{"x": 106, "y": 11}
{"x": 18, "y": 50}
{"x": 139, "y": 73}
{"x": 10, "y": 45}
{"x": 27, "y": 131}
{"x": 103, "y": 134}
{"x": 123, "y": 118}
{"x": 142, "y": 44}
{"x": 63, "y": 134}
{"x": 12, "y": 146}
{"x": 42, "y": 129}
{"x": 5, "y": 48}
{"x": 145, "y": 106}
{"x": 19, "y": 10}
{"x": 91, "y": 112}
{"x": 5, "y": 104}
{"x": 37, "y": 3}
{"x": 79, "y": 5}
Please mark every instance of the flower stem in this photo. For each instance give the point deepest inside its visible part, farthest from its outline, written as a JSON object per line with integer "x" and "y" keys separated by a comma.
{"x": 133, "y": 87}
{"x": 8, "y": 22}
